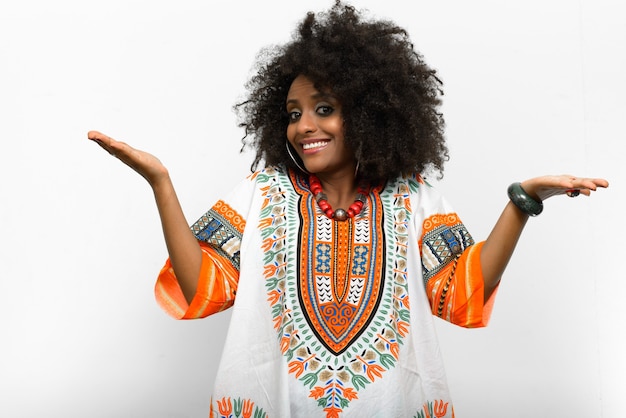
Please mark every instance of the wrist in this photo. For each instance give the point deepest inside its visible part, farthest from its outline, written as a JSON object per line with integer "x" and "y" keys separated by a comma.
{"x": 161, "y": 182}
{"x": 531, "y": 190}
{"x": 527, "y": 203}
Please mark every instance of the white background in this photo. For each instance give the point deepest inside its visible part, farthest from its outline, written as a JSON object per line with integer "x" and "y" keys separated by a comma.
{"x": 531, "y": 87}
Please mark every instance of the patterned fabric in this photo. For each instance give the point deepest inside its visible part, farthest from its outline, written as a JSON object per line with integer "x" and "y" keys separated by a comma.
{"x": 447, "y": 249}
{"x": 219, "y": 232}
{"x": 244, "y": 408}
{"x": 221, "y": 227}
{"x": 333, "y": 319}
{"x": 342, "y": 301}
{"x": 339, "y": 282}
{"x": 444, "y": 239}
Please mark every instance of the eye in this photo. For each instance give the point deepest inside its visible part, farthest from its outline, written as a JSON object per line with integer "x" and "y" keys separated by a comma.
{"x": 325, "y": 110}
{"x": 294, "y": 115}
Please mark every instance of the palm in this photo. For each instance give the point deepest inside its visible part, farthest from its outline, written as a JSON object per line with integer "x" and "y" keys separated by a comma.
{"x": 147, "y": 165}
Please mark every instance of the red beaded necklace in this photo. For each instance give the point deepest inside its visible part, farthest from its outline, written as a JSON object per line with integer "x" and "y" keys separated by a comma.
{"x": 340, "y": 215}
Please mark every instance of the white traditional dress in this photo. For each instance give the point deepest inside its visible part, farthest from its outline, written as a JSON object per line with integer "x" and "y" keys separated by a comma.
{"x": 332, "y": 319}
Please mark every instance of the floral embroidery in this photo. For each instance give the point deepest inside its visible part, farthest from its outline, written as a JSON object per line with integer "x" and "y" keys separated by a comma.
{"x": 436, "y": 409}
{"x": 237, "y": 408}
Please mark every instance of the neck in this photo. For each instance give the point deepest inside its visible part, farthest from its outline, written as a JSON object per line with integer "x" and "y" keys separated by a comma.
{"x": 339, "y": 213}
{"x": 340, "y": 191}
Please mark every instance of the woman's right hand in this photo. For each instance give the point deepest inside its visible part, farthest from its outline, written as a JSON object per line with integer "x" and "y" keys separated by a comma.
{"x": 147, "y": 165}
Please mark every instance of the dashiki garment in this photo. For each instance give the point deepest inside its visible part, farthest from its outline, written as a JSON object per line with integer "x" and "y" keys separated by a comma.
{"x": 332, "y": 319}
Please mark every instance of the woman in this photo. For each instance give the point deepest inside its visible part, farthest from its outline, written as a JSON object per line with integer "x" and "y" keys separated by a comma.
{"x": 335, "y": 251}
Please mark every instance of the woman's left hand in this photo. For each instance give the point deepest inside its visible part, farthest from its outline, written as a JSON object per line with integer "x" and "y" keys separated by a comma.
{"x": 541, "y": 188}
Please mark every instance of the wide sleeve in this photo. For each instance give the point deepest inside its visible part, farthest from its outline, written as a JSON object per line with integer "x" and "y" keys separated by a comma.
{"x": 219, "y": 232}
{"x": 451, "y": 266}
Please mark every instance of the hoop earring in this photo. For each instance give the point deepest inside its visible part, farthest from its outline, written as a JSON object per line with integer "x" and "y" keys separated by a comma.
{"x": 293, "y": 158}
{"x": 356, "y": 170}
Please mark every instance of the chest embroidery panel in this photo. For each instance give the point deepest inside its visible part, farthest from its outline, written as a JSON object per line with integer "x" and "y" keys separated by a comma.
{"x": 337, "y": 290}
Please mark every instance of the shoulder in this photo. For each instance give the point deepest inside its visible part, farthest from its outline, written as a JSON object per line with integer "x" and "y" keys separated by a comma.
{"x": 408, "y": 184}
{"x": 263, "y": 178}
{"x": 274, "y": 180}
{"x": 420, "y": 196}
{"x": 267, "y": 174}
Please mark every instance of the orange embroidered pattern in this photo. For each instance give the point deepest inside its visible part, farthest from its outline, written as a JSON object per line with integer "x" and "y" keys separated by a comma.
{"x": 344, "y": 287}
{"x": 444, "y": 238}
{"x": 222, "y": 228}
{"x": 436, "y": 409}
{"x": 237, "y": 408}
{"x": 340, "y": 306}
{"x": 452, "y": 271}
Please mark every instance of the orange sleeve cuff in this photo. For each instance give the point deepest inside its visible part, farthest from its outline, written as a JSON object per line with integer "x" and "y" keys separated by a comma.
{"x": 217, "y": 286}
{"x": 457, "y": 292}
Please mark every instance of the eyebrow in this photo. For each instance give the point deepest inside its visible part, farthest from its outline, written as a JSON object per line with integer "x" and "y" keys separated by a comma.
{"x": 317, "y": 95}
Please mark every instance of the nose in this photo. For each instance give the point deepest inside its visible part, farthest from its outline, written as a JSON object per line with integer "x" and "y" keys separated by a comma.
{"x": 306, "y": 123}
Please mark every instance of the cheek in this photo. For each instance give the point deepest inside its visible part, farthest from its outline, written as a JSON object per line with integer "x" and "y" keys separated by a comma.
{"x": 336, "y": 126}
{"x": 336, "y": 120}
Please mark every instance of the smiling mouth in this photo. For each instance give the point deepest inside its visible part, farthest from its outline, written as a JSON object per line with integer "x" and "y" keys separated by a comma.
{"x": 314, "y": 145}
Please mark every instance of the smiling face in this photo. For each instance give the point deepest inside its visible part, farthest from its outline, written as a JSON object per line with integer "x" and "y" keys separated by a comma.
{"x": 315, "y": 130}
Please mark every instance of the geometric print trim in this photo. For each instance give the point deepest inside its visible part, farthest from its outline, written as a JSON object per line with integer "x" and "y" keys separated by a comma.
{"x": 335, "y": 376}
{"x": 444, "y": 239}
{"x": 222, "y": 228}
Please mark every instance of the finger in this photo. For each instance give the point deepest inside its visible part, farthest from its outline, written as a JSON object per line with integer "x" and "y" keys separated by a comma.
{"x": 101, "y": 139}
{"x": 601, "y": 183}
{"x": 113, "y": 147}
{"x": 587, "y": 183}
{"x": 99, "y": 136}
{"x": 578, "y": 191}
{"x": 593, "y": 184}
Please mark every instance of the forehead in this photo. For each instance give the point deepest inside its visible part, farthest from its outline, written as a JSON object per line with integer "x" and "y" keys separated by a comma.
{"x": 303, "y": 88}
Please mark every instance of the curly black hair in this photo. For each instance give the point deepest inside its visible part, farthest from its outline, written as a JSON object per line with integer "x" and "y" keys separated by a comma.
{"x": 389, "y": 96}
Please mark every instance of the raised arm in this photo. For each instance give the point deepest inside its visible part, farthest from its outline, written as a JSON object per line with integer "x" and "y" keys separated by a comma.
{"x": 184, "y": 250}
{"x": 499, "y": 246}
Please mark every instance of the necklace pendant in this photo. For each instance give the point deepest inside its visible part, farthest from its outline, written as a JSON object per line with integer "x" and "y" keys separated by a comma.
{"x": 340, "y": 215}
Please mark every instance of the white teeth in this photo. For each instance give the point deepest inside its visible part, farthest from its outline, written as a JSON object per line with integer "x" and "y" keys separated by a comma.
{"x": 314, "y": 145}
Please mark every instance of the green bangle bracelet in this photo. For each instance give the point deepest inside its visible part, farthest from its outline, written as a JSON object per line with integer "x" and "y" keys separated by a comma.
{"x": 523, "y": 201}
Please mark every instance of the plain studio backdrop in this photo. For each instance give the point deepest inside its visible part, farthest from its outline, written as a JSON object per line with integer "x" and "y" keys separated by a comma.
{"x": 531, "y": 87}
